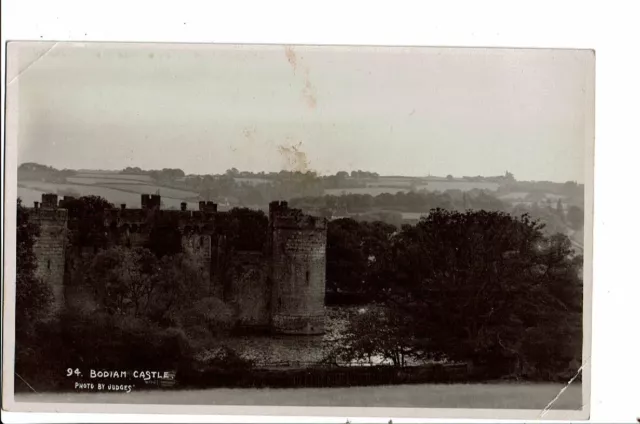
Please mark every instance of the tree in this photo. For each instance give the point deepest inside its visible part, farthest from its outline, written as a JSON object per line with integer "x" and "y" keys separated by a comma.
{"x": 449, "y": 177}
{"x": 124, "y": 279}
{"x": 136, "y": 282}
{"x": 346, "y": 262}
{"x": 209, "y": 314}
{"x": 241, "y": 229}
{"x": 560, "y": 209}
{"x": 571, "y": 188}
{"x": 476, "y": 286}
{"x": 391, "y": 218}
{"x": 575, "y": 216}
{"x": 86, "y": 220}
{"x": 182, "y": 281}
{"x": 480, "y": 200}
{"x": 165, "y": 237}
{"x": 353, "y": 251}
{"x": 244, "y": 229}
{"x": 373, "y": 333}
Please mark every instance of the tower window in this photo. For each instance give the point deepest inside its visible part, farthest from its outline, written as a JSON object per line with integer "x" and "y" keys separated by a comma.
{"x": 48, "y": 263}
{"x": 307, "y": 277}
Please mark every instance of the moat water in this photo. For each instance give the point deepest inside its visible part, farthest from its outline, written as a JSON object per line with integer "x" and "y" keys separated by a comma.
{"x": 273, "y": 351}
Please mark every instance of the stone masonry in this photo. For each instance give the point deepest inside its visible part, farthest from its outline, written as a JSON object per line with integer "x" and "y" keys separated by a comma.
{"x": 298, "y": 268}
{"x": 50, "y": 246}
{"x": 281, "y": 287}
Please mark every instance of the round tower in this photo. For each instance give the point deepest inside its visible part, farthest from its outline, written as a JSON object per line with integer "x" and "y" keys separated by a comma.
{"x": 298, "y": 267}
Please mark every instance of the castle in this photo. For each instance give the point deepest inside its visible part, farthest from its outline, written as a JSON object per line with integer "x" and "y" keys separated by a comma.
{"x": 279, "y": 285}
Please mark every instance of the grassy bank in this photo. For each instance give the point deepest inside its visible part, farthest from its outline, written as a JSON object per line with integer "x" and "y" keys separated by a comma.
{"x": 499, "y": 395}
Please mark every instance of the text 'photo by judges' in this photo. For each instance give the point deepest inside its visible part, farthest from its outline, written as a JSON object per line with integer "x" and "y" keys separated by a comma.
{"x": 198, "y": 227}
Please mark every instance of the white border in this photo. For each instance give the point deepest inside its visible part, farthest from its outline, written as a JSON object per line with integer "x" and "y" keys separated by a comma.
{"x": 448, "y": 23}
{"x": 11, "y": 180}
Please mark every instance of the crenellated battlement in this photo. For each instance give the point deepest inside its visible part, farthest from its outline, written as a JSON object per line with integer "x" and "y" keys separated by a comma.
{"x": 151, "y": 201}
{"x": 49, "y": 209}
{"x": 50, "y": 214}
{"x": 209, "y": 207}
{"x": 49, "y": 201}
{"x": 49, "y": 247}
{"x": 122, "y": 216}
{"x": 299, "y": 222}
{"x": 283, "y": 217}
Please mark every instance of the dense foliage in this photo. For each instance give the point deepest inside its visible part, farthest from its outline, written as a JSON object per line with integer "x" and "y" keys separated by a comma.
{"x": 408, "y": 202}
{"x": 353, "y": 249}
{"x": 165, "y": 238}
{"x": 134, "y": 281}
{"x": 86, "y": 220}
{"x": 243, "y": 229}
{"x": 483, "y": 287}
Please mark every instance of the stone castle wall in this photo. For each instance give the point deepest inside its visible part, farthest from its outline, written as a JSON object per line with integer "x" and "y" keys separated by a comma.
{"x": 250, "y": 293}
{"x": 281, "y": 287}
{"x": 49, "y": 250}
{"x": 78, "y": 296}
{"x": 298, "y": 249}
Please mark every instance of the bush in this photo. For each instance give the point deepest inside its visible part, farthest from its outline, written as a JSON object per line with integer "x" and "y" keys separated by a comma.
{"x": 228, "y": 359}
{"x": 99, "y": 341}
{"x": 210, "y": 312}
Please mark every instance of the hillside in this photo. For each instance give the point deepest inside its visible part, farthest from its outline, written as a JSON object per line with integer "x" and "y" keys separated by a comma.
{"x": 363, "y": 195}
{"x": 116, "y": 187}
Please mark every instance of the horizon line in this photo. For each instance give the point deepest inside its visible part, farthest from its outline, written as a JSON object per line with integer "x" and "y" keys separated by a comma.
{"x": 301, "y": 172}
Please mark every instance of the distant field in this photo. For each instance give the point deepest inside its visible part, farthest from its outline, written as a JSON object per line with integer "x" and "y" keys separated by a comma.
{"x": 373, "y": 191}
{"x": 515, "y": 195}
{"x": 152, "y": 189}
{"x": 252, "y": 181}
{"x": 432, "y": 184}
{"x": 115, "y": 187}
{"x": 554, "y": 196}
{"x": 385, "y": 180}
{"x": 102, "y": 180}
{"x": 114, "y": 175}
{"x": 112, "y": 195}
{"x": 477, "y": 396}
{"x": 129, "y": 182}
{"x": 458, "y": 185}
{"x": 31, "y": 191}
{"x": 29, "y": 195}
{"x": 391, "y": 183}
{"x": 413, "y": 215}
{"x": 521, "y": 195}
{"x": 397, "y": 185}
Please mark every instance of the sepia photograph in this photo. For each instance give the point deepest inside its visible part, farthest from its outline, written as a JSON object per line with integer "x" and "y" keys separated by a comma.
{"x": 205, "y": 225}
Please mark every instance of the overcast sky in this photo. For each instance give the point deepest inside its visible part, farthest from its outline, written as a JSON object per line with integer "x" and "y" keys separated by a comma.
{"x": 401, "y": 111}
